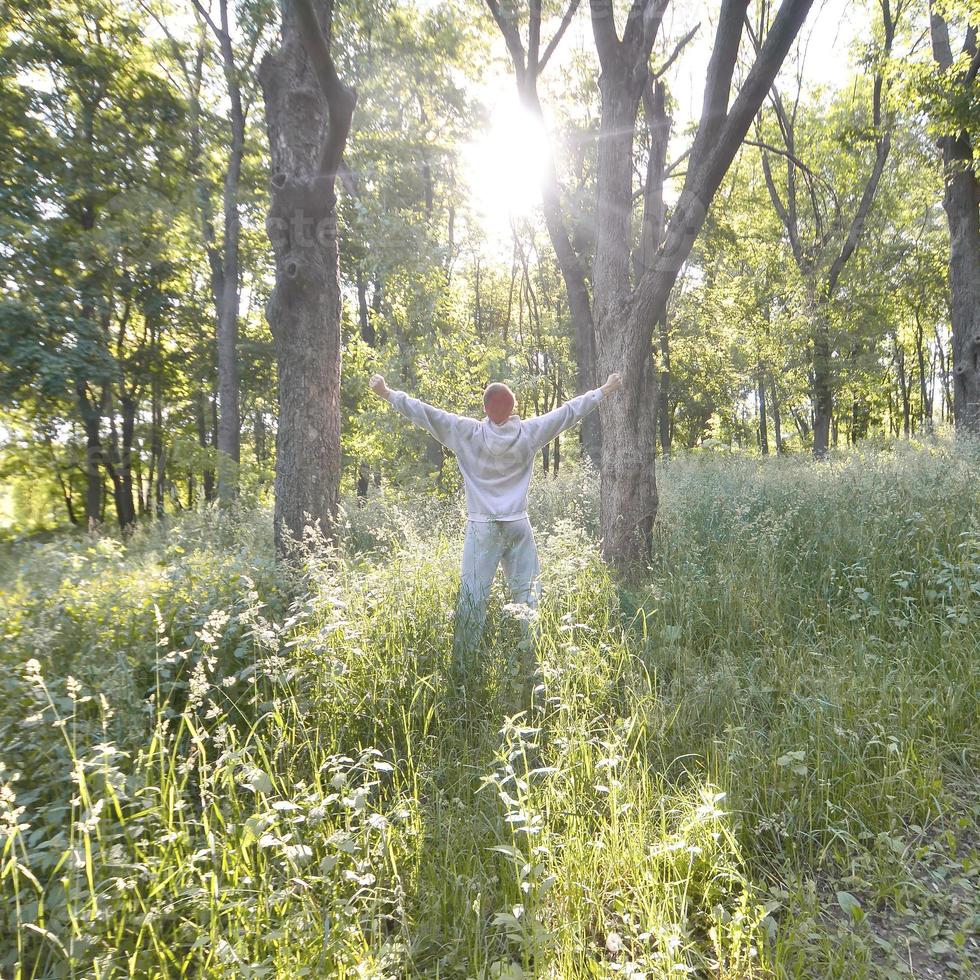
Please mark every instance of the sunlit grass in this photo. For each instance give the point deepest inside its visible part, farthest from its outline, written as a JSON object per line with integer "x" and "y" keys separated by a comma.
{"x": 760, "y": 760}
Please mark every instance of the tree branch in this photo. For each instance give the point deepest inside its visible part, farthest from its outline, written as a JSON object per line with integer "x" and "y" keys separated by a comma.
{"x": 533, "y": 35}
{"x": 207, "y": 19}
{"x": 562, "y": 27}
{"x": 654, "y": 212}
{"x": 512, "y": 39}
{"x": 681, "y": 44}
{"x": 642, "y": 24}
{"x": 882, "y": 149}
{"x": 790, "y": 222}
{"x": 604, "y": 31}
{"x": 703, "y": 180}
{"x": 718, "y": 84}
{"x": 340, "y": 98}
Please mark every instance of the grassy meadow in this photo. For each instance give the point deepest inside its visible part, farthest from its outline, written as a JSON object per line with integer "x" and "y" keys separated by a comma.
{"x": 760, "y": 760}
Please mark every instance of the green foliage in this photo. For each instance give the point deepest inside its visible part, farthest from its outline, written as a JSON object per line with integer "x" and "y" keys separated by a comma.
{"x": 760, "y": 761}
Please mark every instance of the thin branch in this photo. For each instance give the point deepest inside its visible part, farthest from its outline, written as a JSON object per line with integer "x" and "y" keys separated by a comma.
{"x": 681, "y": 44}
{"x": 673, "y": 166}
{"x": 217, "y": 31}
{"x": 559, "y": 34}
{"x": 783, "y": 153}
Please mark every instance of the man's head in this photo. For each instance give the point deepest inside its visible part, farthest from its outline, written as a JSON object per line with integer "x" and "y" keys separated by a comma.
{"x": 498, "y": 402}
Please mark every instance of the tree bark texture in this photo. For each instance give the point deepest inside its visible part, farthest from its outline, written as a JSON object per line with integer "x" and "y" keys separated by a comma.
{"x": 308, "y": 116}
{"x": 961, "y": 201}
{"x": 626, "y": 318}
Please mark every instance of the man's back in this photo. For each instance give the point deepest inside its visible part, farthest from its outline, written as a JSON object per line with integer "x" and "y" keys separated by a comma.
{"x": 496, "y": 460}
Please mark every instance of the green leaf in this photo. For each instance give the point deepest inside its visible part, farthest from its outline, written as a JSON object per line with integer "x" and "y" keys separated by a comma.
{"x": 851, "y": 906}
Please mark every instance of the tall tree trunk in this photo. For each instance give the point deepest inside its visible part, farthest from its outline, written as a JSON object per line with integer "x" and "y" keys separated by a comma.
{"x": 69, "y": 500}
{"x": 663, "y": 394}
{"x": 226, "y": 263}
{"x": 629, "y": 492}
{"x": 903, "y": 389}
{"x": 363, "y": 313}
{"x": 961, "y": 201}
{"x": 625, "y": 317}
{"x": 92, "y": 423}
{"x": 200, "y": 415}
{"x": 368, "y": 336}
{"x": 777, "y": 421}
{"x": 155, "y": 489}
{"x": 127, "y": 407}
{"x": 823, "y": 390}
{"x": 763, "y": 426}
{"x": 925, "y": 399}
{"x": 811, "y": 259}
{"x": 946, "y": 401}
{"x": 258, "y": 436}
{"x": 801, "y": 424}
{"x": 111, "y": 461}
{"x": 307, "y": 147}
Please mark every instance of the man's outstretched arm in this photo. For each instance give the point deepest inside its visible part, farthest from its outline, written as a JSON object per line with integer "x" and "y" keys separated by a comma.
{"x": 544, "y": 428}
{"x": 443, "y": 426}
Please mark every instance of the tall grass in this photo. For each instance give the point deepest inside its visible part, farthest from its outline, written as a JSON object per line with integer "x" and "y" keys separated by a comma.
{"x": 759, "y": 760}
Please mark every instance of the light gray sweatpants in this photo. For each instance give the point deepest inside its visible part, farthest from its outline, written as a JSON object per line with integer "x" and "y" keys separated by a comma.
{"x": 488, "y": 544}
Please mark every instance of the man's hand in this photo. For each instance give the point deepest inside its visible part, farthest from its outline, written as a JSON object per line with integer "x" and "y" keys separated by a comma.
{"x": 613, "y": 384}
{"x": 379, "y": 387}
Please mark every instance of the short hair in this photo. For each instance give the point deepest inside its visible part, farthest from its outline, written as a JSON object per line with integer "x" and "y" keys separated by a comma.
{"x": 497, "y": 392}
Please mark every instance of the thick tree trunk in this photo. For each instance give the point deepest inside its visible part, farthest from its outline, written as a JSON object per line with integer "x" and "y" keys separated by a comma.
{"x": 629, "y": 495}
{"x": 229, "y": 422}
{"x": 304, "y": 309}
{"x": 961, "y": 200}
{"x": 629, "y": 487}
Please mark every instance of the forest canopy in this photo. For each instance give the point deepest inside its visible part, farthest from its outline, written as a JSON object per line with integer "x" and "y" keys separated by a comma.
{"x": 492, "y": 222}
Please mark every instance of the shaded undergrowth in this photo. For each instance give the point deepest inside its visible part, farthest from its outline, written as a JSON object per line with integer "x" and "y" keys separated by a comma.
{"x": 760, "y": 761}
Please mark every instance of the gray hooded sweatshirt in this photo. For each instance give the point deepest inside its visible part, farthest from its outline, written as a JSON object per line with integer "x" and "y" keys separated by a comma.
{"x": 496, "y": 460}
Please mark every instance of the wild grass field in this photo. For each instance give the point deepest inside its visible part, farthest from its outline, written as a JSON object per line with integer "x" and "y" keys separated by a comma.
{"x": 760, "y": 760}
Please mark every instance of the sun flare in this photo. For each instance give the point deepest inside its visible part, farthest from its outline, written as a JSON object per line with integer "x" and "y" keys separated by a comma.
{"x": 506, "y": 164}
